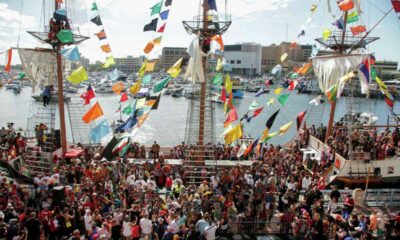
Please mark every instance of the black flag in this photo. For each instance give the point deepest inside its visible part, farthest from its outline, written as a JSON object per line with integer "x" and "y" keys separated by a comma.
{"x": 271, "y": 120}
{"x": 96, "y": 20}
{"x": 152, "y": 26}
{"x": 107, "y": 151}
{"x": 168, "y": 3}
{"x": 155, "y": 105}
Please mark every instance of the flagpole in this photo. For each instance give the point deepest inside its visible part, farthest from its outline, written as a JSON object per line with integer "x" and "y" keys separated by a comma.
{"x": 61, "y": 96}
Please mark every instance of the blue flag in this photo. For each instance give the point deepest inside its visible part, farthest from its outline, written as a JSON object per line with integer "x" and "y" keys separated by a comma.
{"x": 72, "y": 54}
{"x": 212, "y": 5}
{"x": 164, "y": 15}
{"x": 127, "y": 125}
{"x": 100, "y": 131}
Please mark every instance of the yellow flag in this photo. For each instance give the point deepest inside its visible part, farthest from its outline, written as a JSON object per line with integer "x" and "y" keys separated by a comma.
{"x": 326, "y": 33}
{"x": 78, "y": 75}
{"x": 271, "y": 101}
{"x": 228, "y": 84}
{"x": 284, "y": 56}
{"x": 285, "y": 128}
{"x": 313, "y": 8}
{"x": 175, "y": 70}
{"x": 219, "y": 65}
{"x": 157, "y": 41}
{"x": 234, "y": 134}
{"x": 136, "y": 87}
{"x": 109, "y": 61}
{"x": 278, "y": 91}
{"x": 142, "y": 69}
{"x": 150, "y": 66}
{"x": 140, "y": 103}
{"x": 265, "y": 134}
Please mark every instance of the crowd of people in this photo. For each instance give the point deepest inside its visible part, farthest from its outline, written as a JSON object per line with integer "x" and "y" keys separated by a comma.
{"x": 89, "y": 197}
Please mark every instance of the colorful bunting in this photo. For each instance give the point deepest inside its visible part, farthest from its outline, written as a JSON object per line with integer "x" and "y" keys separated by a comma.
{"x": 157, "y": 41}
{"x": 285, "y": 128}
{"x": 100, "y": 131}
{"x": 396, "y": 5}
{"x": 231, "y": 117}
{"x": 162, "y": 28}
{"x": 124, "y": 97}
{"x": 316, "y": 101}
{"x": 93, "y": 113}
{"x": 149, "y": 47}
{"x": 253, "y": 105}
{"x": 147, "y": 79}
{"x": 159, "y": 86}
{"x": 271, "y": 119}
{"x": 283, "y": 98}
{"x": 219, "y": 65}
{"x": 109, "y": 62}
{"x": 258, "y": 111}
{"x": 300, "y": 118}
{"x": 77, "y": 76}
{"x": 356, "y": 30}
{"x": 339, "y": 22}
{"x": 228, "y": 84}
{"x": 269, "y": 136}
{"x": 65, "y": 36}
{"x": 152, "y": 26}
{"x": 326, "y": 34}
{"x": 218, "y": 79}
{"x": 352, "y": 17}
{"x": 156, "y": 9}
{"x": 127, "y": 125}
{"x": 342, "y": 82}
{"x": 106, "y": 48}
{"x": 94, "y": 7}
{"x": 168, "y": 3}
{"x": 7, "y": 67}
{"x": 218, "y": 38}
{"x": 212, "y": 5}
{"x": 71, "y": 54}
{"x": 21, "y": 75}
{"x": 278, "y": 91}
{"x": 118, "y": 87}
{"x": 364, "y": 71}
{"x": 136, "y": 87}
{"x": 250, "y": 148}
{"x": 97, "y": 20}
{"x": 387, "y": 95}
{"x": 284, "y": 56}
{"x": 293, "y": 84}
{"x": 234, "y": 134}
{"x": 88, "y": 95}
{"x": 175, "y": 70}
{"x": 346, "y": 5}
{"x": 271, "y": 101}
{"x": 261, "y": 92}
{"x": 332, "y": 92}
{"x": 305, "y": 68}
{"x": 149, "y": 67}
{"x": 164, "y": 15}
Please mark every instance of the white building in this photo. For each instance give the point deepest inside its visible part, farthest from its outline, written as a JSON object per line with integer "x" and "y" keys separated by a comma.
{"x": 244, "y": 58}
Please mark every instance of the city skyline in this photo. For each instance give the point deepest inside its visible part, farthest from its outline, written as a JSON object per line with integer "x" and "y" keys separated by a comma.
{"x": 264, "y": 22}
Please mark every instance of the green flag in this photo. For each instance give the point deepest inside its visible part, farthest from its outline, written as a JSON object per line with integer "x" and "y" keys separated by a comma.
{"x": 146, "y": 79}
{"x": 156, "y": 9}
{"x": 127, "y": 110}
{"x": 283, "y": 98}
{"x": 94, "y": 7}
{"x": 21, "y": 75}
{"x": 159, "y": 86}
{"x": 218, "y": 79}
{"x": 65, "y": 36}
{"x": 373, "y": 73}
{"x": 352, "y": 17}
{"x": 253, "y": 105}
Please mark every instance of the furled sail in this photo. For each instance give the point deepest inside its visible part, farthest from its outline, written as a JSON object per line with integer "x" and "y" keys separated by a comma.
{"x": 330, "y": 68}
{"x": 39, "y": 66}
{"x": 195, "y": 67}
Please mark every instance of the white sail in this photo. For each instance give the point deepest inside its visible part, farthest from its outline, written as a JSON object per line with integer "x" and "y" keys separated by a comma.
{"x": 39, "y": 66}
{"x": 330, "y": 68}
{"x": 195, "y": 67}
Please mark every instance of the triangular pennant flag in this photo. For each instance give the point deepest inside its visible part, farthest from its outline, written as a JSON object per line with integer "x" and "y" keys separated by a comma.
{"x": 241, "y": 150}
{"x": 352, "y": 17}
{"x": 285, "y": 128}
{"x": 283, "y": 98}
{"x": 356, "y": 30}
{"x": 7, "y": 67}
{"x": 299, "y": 119}
{"x": 261, "y": 92}
{"x": 93, "y": 113}
{"x": 250, "y": 148}
{"x": 127, "y": 125}
{"x": 109, "y": 62}
{"x": 71, "y": 54}
{"x": 278, "y": 91}
{"x": 218, "y": 38}
{"x": 135, "y": 88}
{"x": 88, "y": 95}
{"x": 157, "y": 41}
{"x": 284, "y": 56}
{"x": 101, "y": 35}
{"x": 293, "y": 84}
{"x": 118, "y": 87}
{"x": 156, "y": 9}
{"x": 97, "y": 20}
{"x": 162, "y": 28}
{"x": 257, "y": 112}
{"x": 331, "y": 93}
{"x": 77, "y": 76}
{"x": 228, "y": 84}
{"x": 313, "y": 8}
{"x": 234, "y": 134}
{"x": 152, "y": 26}
{"x": 175, "y": 70}
{"x": 231, "y": 117}
{"x": 168, "y": 3}
{"x": 21, "y": 75}
{"x": 271, "y": 120}
{"x": 124, "y": 97}
{"x": 253, "y": 105}
{"x": 269, "y": 136}
{"x": 396, "y": 5}
{"x": 146, "y": 79}
{"x": 218, "y": 79}
{"x": 155, "y": 105}
{"x": 219, "y": 65}
{"x": 305, "y": 68}
{"x": 128, "y": 110}
{"x": 159, "y": 86}
{"x": 66, "y": 36}
{"x": 164, "y": 15}
{"x": 149, "y": 67}
{"x": 271, "y": 101}
{"x": 326, "y": 34}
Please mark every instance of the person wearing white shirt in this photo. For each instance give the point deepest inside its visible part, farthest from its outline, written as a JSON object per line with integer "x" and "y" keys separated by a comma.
{"x": 306, "y": 182}
{"x": 209, "y": 232}
{"x": 88, "y": 220}
{"x": 146, "y": 226}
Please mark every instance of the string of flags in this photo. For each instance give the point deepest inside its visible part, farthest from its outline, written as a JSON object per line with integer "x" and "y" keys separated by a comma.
{"x": 102, "y": 36}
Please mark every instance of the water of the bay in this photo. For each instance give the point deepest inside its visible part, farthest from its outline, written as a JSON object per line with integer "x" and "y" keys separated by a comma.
{"x": 167, "y": 124}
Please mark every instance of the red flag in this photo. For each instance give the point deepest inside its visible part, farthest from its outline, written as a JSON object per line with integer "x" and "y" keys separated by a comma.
{"x": 162, "y": 28}
{"x": 299, "y": 118}
{"x": 230, "y": 101}
{"x": 250, "y": 148}
{"x": 389, "y": 102}
{"x": 232, "y": 116}
{"x": 89, "y": 94}
{"x": 268, "y": 82}
{"x": 396, "y": 5}
{"x": 357, "y": 29}
{"x": 258, "y": 111}
{"x": 124, "y": 97}
{"x": 292, "y": 85}
{"x": 7, "y": 68}
{"x": 223, "y": 94}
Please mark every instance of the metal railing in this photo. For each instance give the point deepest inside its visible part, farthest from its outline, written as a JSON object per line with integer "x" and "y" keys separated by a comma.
{"x": 259, "y": 227}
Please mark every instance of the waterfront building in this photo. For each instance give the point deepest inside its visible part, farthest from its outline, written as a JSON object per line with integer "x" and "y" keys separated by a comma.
{"x": 129, "y": 64}
{"x": 244, "y": 58}
{"x": 172, "y": 54}
{"x": 387, "y": 70}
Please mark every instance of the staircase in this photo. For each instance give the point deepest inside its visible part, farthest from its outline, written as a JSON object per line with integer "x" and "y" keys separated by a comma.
{"x": 80, "y": 130}
{"x": 39, "y": 157}
{"x": 315, "y": 114}
{"x": 199, "y": 164}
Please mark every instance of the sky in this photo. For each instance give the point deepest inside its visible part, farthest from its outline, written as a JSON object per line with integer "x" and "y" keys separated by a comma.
{"x": 260, "y": 21}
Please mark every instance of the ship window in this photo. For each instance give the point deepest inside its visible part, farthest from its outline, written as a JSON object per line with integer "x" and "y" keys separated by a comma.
{"x": 390, "y": 170}
{"x": 377, "y": 171}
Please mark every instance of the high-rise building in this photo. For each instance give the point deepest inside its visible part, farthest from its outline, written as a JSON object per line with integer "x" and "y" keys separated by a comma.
{"x": 84, "y": 62}
{"x": 172, "y": 54}
{"x": 387, "y": 70}
{"x": 129, "y": 64}
{"x": 244, "y": 58}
